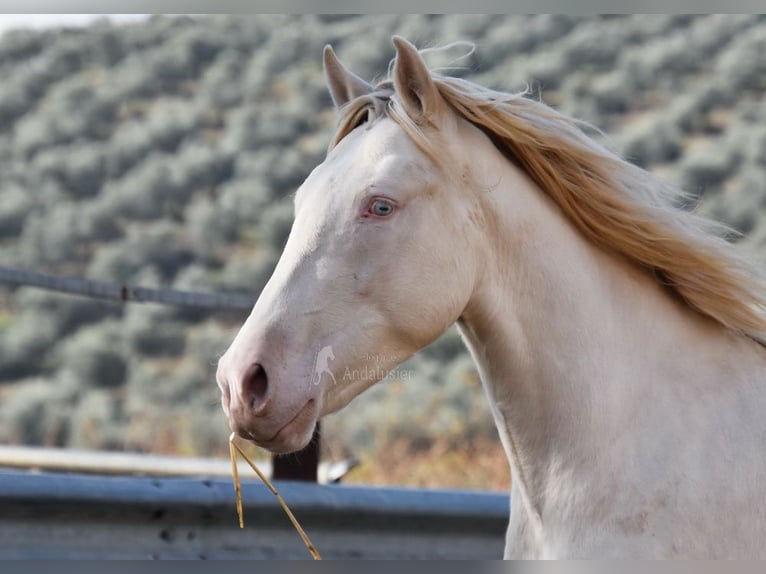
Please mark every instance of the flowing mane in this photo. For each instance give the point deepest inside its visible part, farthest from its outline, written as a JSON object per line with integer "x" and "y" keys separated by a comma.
{"x": 612, "y": 202}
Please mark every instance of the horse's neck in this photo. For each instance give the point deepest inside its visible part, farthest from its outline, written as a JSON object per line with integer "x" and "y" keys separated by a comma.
{"x": 572, "y": 342}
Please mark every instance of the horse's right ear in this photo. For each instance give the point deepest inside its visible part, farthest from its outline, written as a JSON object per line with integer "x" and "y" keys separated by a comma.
{"x": 344, "y": 85}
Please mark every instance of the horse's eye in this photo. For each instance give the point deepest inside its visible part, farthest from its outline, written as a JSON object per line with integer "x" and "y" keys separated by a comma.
{"x": 381, "y": 208}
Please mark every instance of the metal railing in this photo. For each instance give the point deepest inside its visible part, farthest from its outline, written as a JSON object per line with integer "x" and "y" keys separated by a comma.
{"x": 72, "y": 516}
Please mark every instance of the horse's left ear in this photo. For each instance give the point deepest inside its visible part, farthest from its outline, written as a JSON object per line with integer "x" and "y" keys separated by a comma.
{"x": 413, "y": 83}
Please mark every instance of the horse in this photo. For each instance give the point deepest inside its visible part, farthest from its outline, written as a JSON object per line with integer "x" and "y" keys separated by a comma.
{"x": 619, "y": 336}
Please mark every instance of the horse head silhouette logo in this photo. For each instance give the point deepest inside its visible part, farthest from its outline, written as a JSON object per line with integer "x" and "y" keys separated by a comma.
{"x": 321, "y": 365}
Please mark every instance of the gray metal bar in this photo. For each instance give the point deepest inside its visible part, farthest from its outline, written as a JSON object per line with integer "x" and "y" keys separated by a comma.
{"x": 84, "y": 461}
{"x": 126, "y": 293}
{"x": 74, "y": 516}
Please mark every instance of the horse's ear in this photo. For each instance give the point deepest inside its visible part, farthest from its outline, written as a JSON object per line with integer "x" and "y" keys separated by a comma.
{"x": 344, "y": 85}
{"x": 413, "y": 83}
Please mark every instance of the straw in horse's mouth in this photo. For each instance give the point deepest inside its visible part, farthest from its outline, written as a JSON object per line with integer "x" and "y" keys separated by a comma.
{"x": 233, "y": 450}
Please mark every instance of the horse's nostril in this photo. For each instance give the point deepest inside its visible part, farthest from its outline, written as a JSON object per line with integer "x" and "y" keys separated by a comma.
{"x": 255, "y": 385}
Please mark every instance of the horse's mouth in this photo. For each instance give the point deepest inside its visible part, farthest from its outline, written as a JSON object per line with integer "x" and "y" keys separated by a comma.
{"x": 290, "y": 437}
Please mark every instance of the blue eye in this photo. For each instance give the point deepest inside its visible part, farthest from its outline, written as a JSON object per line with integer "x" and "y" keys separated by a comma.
{"x": 381, "y": 208}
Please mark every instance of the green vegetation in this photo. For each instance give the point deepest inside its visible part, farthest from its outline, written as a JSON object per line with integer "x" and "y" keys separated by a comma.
{"x": 166, "y": 154}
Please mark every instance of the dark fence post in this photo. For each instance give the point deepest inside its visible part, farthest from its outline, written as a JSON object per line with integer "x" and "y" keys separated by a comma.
{"x": 302, "y": 465}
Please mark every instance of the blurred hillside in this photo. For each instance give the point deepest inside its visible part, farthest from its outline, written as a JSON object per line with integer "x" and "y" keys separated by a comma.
{"x": 165, "y": 154}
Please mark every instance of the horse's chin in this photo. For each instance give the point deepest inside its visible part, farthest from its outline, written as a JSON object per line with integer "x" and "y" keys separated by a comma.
{"x": 296, "y": 434}
{"x": 291, "y": 443}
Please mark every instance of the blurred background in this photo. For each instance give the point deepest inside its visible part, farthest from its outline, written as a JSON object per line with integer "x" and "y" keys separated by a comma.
{"x": 164, "y": 151}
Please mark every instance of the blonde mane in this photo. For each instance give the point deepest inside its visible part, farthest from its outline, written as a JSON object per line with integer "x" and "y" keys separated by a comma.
{"x": 616, "y": 205}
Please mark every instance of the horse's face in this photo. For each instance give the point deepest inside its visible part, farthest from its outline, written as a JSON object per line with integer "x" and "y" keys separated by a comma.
{"x": 378, "y": 264}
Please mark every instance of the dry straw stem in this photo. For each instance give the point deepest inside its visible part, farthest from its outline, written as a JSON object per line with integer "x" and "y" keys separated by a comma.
{"x": 233, "y": 450}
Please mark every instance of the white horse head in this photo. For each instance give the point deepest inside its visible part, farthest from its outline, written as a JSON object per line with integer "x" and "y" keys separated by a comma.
{"x": 380, "y": 261}
{"x": 616, "y": 336}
